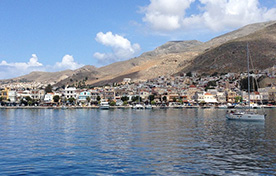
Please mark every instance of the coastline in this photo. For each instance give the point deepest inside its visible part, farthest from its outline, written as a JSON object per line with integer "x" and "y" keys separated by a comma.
{"x": 117, "y": 107}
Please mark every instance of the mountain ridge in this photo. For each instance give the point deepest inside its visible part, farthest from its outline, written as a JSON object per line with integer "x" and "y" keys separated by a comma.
{"x": 222, "y": 53}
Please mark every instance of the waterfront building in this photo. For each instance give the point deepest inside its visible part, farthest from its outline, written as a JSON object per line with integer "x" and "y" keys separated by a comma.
{"x": 272, "y": 95}
{"x": 49, "y": 97}
{"x": 199, "y": 96}
{"x": 83, "y": 96}
{"x": 23, "y": 94}
{"x": 231, "y": 95}
{"x": 5, "y": 94}
{"x": 209, "y": 98}
{"x": 12, "y": 96}
{"x": 94, "y": 94}
{"x": 70, "y": 92}
{"x": 109, "y": 93}
{"x": 37, "y": 94}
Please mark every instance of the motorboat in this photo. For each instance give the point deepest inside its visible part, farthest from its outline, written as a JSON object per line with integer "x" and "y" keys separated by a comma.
{"x": 104, "y": 105}
{"x": 148, "y": 106}
{"x": 138, "y": 106}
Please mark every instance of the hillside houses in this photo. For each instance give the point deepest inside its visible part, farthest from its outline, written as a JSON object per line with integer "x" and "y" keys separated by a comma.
{"x": 216, "y": 89}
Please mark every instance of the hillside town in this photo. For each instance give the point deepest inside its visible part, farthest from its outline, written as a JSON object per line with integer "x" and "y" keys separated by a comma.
{"x": 187, "y": 89}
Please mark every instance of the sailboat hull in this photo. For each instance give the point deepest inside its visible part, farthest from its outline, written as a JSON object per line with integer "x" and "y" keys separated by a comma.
{"x": 245, "y": 116}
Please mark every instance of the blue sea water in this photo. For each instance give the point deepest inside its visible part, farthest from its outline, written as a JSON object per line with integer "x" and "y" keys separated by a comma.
{"x": 134, "y": 142}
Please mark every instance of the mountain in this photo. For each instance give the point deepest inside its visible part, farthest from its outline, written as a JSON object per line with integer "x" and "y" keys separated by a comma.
{"x": 231, "y": 55}
{"x": 53, "y": 77}
{"x": 214, "y": 55}
{"x": 225, "y": 53}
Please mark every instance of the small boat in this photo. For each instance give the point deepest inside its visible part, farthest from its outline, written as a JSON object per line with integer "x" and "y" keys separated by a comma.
{"x": 163, "y": 106}
{"x": 222, "y": 106}
{"x": 148, "y": 106}
{"x": 64, "y": 107}
{"x": 255, "y": 106}
{"x": 230, "y": 106}
{"x": 104, "y": 105}
{"x": 138, "y": 106}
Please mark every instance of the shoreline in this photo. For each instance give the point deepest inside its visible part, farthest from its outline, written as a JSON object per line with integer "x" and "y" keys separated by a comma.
{"x": 120, "y": 107}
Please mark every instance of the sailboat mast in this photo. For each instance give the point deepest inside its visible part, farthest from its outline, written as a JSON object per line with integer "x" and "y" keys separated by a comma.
{"x": 248, "y": 77}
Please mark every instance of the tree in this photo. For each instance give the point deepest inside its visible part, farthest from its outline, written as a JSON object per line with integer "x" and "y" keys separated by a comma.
{"x": 71, "y": 100}
{"x": 56, "y": 98}
{"x": 174, "y": 99}
{"x": 211, "y": 84}
{"x": 189, "y": 74}
{"x": 48, "y": 88}
{"x": 136, "y": 98}
{"x": 88, "y": 99}
{"x": 215, "y": 74}
{"x": 164, "y": 98}
{"x": 151, "y": 98}
{"x": 112, "y": 103}
{"x": 22, "y": 101}
{"x": 28, "y": 98}
{"x": 124, "y": 98}
{"x": 238, "y": 99}
{"x": 98, "y": 98}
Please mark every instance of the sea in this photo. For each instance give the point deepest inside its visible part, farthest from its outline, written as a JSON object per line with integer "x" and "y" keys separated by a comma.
{"x": 134, "y": 142}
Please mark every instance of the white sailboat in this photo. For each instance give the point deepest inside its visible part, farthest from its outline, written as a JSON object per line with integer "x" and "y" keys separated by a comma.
{"x": 246, "y": 115}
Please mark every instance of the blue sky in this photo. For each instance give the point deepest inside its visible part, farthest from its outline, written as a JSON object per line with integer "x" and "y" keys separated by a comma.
{"x": 56, "y": 35}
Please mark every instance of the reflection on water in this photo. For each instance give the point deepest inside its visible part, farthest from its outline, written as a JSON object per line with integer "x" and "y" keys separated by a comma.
{"x": 130, "y": 142}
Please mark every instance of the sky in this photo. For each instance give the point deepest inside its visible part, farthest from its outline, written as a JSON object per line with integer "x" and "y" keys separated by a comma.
{"x": 55, "y": 35}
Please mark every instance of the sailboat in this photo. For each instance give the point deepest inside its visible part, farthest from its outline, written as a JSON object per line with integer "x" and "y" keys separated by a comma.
{"x": 246, "y": 115}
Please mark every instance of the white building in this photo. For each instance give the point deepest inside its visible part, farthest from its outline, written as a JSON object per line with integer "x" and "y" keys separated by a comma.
{"x": 70, "y": 92}
{"x": 12, "y": 96}
{"x": 48, "y": 97}
{"x": 209, "y": 98}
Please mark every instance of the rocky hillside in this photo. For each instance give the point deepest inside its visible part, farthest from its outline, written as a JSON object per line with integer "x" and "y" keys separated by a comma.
{"x": 226, "y": 53}
{"x": 54, "y": 77}
{"x": 231, "y": 55}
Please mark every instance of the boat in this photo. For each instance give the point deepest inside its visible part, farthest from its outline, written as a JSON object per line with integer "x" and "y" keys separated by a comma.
{"x": 230, "y": 106}
{"x": 104, "y": 105}
{"x": 64, "y": 107}
{"x": 246, "y": 115}
{"x": 148, "y": 106}
{"x": 138, "y": 106}
{"x": 223, "y": 106}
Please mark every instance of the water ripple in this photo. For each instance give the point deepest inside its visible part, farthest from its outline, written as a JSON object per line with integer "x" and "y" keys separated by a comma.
{"x": 127, "y": 142}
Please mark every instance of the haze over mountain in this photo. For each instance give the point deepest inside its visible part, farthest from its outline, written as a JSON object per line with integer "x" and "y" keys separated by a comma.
{"x": 226, "y": 53}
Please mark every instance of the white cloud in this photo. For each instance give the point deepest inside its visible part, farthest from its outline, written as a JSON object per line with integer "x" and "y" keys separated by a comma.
{"x": 121, "y": 48}
{"x": 216, "y": 15}
{"x": 67, "y": 63}
{"x": 166, "y": 15}
{"x": 11, "y": 70}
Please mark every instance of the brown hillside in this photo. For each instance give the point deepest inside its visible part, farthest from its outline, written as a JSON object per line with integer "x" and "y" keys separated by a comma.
{"x": 231, "y": 56}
